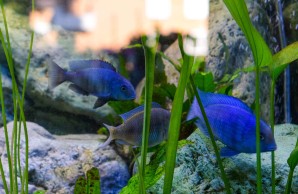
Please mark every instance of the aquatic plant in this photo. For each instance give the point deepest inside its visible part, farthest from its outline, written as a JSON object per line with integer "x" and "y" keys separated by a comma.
{"x": 13, "y": 148}
{"x": 221, "y": 167}
{"x": 175, "y": 120}
{"x": 262, "y": 59}
{"x": 292, "y": 162}
{"x": 154, "y": 169}
{"x": 149, "y": 46}
{"x": 89, "y": 184}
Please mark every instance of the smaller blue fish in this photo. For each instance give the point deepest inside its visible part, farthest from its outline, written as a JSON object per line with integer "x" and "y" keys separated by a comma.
{"x": 94, "y": 77}
{"x": 232, "y": 122}
{"x": 130, "y": 132}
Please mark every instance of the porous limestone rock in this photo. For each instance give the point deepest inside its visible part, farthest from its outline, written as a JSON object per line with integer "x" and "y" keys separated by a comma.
{"x": 197, "y": 171}
{"x": 55, "y": 162}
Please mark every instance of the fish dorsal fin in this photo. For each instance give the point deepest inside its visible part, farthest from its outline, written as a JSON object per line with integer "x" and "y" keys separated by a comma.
{"x": 136, "y": 110}
{"x": 76, "y": 65}
{"x": 228, "y": 152}
{"x": 209, "y": 98}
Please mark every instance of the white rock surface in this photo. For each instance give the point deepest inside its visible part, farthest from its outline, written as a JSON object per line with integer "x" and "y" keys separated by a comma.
{"x": 55, "y": 162}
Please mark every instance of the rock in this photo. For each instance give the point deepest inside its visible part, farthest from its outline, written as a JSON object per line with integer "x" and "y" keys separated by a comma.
{"x": 7, "y": 94}
{"x": 240, "y": 55}
{"x": 53, "y": 109}
{"x": 196, "y": 170}
{"x": 55, "y": 162}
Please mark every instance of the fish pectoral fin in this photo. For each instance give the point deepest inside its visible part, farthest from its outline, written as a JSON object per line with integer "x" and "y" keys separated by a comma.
{"x": 78, "y": 90}
{"x": 228, "y": 152}
{"x": 99, "y": 102}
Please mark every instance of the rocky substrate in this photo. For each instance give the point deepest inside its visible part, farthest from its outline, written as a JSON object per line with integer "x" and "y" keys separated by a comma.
{"x": 197, "y": 170}
{"x": 55, "y": 162}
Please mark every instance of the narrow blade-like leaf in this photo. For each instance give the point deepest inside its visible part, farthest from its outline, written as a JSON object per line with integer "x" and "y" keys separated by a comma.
{"x": 293, "y": 159}
{"x": 283, "y": 58}
{"x": 175, "y": 121}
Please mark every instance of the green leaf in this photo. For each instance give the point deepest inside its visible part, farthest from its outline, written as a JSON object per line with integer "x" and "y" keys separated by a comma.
{"x": 152, "y": 175}
{"x": 199, "y": 63}
{"x": 90, "y": 184}
{"x": 80, "y": 186}
{"x": 154, "y": 170}
{"x": 283, "y": 58}
{"x": 261, "y": 53}
{"x": 205, "y": 81}
{"x": 175, "y": 120}
{"x": 133, "y": 46}
{"x": 93, "y": 181}
{"x": 150, "y": 46}
{"x": 39, "y": 192}
{"x": 163, "y": 92}
{"x": 293, "y": 159}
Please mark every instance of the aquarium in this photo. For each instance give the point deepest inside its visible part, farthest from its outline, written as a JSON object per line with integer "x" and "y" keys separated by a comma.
{"x": 148, "y": 96}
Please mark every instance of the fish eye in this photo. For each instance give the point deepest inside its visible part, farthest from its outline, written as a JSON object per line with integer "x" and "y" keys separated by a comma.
{"x": 262, "y": 137}
{"x": 123, "y": 88}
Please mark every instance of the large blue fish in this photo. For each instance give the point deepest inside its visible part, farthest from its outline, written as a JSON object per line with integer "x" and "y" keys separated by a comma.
{"x": 232, "y": 122}
{"x": 130, "y": 132}
{"x": 94, "y": 77}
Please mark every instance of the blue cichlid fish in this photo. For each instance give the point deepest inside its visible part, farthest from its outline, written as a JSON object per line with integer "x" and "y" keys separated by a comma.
{"x": 130, "y": 132}
{"x": 95, "y": 77}
{"x": 232, "y": 122}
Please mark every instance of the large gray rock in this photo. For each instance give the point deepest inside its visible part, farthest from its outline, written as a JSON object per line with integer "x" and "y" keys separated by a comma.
{"x": 55, "y": 162}
{"x": 240, "y": 55}
{"x": 196, "y": 169}
{"x": 60, "y": 111}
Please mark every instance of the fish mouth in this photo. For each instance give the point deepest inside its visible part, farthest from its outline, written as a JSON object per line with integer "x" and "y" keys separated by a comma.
{"x": 132, "y": 97}
{"x": 271, "y": 148}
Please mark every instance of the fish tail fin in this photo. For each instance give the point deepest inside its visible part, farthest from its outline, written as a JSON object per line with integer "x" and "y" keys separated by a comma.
{"x": 56, "y": 75}
{"x": 195, "y": 115}
{"x": 194, "y": 110}
{"x": 108, "y": 141}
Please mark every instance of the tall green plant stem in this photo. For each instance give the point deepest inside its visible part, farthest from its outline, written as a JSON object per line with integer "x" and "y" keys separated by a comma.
{"x": 9, "y": 59}
{"x": 175, "y": 120}
{"x": 149, "y": 51}
{"x": 289, "y": 181}
{"x": 6, "y": 140}
{"x": 262, "y": 56}
{"x": 14, "y": 162}
{"x": 272, "y": 128}
{"x": 221, "y": 167}
{"x": 292, "y": 162}
{"x": 258, "y": 132}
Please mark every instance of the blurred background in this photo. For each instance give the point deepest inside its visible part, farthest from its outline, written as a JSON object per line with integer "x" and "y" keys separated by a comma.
{"x": 99, "y": 29}
{"x": 113, "y": 24}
